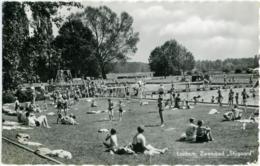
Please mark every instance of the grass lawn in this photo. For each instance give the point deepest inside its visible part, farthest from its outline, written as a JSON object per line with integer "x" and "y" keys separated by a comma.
{"x": 85, "y": 144}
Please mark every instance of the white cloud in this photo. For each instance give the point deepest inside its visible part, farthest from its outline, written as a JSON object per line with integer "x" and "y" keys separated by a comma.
{"x": 196, "y": 27}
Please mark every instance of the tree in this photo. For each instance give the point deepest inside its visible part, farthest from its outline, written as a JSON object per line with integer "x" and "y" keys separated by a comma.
{"x": 28, "y": 55}
{"x": 114, "y": 37}
{"x": 75, "y": 42}
{"x": 15, "y": 33}
{"x": 171, "y": 58}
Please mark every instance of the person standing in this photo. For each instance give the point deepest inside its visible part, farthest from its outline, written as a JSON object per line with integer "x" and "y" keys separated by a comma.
{"x": 120, "y": 109}
{"x": 244, "y": 96}
{"x": 231, "y": 97}
{"x": 236, "y": 97}
{"x": 110, "y": 109}
{"x": 161, "y": 109}
{"x": 220, "y": 97}
{"x": 16, "y": 104}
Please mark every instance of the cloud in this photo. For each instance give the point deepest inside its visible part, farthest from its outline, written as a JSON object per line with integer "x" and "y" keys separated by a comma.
{"x": 157, "y": 13}
{"x": 196, "y": 27}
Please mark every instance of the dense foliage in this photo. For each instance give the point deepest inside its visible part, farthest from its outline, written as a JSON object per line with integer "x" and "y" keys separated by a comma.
{"x": 88, "y": 44}
{"x": 236, "y": 65}
{"x": 171, "y": 59}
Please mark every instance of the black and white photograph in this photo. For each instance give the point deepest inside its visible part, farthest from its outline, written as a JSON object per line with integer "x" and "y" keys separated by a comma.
{"x": 120, "y": 82}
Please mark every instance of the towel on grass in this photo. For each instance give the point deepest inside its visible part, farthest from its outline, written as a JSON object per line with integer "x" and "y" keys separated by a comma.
{"x": 103, "y": 130}
{"x": 51, "y": 113}
{"x": 10, "y": 125}
{"x": 213, "y": 111}
{"x": 8, "y": 111}
{"x": 15, "y": 127}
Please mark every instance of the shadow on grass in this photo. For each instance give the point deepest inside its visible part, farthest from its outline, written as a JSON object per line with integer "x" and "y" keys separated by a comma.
{"x": 152, "y": 125}
{"x": 188, "y": 142}
{"x": 103, "y": 120}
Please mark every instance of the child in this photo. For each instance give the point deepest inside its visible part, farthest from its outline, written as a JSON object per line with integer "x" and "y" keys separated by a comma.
{"x": 110, "y": 109}
{"x": 120, "y": 109}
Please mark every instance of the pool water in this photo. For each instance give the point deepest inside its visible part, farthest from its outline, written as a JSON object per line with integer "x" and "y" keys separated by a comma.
{"x": 205, "y": 95}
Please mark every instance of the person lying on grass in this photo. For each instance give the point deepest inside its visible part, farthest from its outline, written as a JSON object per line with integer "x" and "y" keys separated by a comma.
{"x": 234, "y": 114}
{"x": 139, "y": 144}
{"x": 203, "y": 133}
{"x": 33, "y": 121}
{"x": 67, "y": 119}
{"x": 190, "y": 133}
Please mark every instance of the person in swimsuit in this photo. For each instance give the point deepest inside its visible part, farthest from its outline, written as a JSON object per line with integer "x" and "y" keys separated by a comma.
{"x": 110, "y": 109}
{"x": 120, "y": 109}
{"x": 139, "y": 144}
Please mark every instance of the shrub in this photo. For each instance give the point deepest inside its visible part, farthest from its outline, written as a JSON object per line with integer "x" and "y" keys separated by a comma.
{"x": 8, "y": 97}
{"x": 237, "y": 71}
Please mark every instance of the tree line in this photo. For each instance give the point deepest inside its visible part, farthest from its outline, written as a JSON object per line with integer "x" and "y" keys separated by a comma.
{"x": 236, "y": 65}
{"x": 88, "y": 43}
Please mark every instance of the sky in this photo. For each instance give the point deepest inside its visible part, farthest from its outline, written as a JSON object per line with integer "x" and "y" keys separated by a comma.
{"x": 210, "y": 30}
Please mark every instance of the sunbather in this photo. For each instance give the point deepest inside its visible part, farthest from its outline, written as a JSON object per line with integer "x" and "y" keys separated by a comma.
{"x": 203, "y": 133}
{"x": 190, "y": 133}
{"x": 234, "y": 114}
{"x": 139, "y": 144}
{"x": 33, "y": 121}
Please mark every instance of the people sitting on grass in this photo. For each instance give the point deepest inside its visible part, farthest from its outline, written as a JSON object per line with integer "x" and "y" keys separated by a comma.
{"x": 234, "y": 114}
{"x": 67, "y": 119}
{"x": 111, "y": 142}
{"x": 203, "y": 133}
{"x": 33, "y": 121}
{"x": 190, "y": 133}
{"x": 139, "y": 144}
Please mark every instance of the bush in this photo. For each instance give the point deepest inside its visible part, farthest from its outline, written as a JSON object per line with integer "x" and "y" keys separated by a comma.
{"x": 24, "y": 95}
{"x": 238, "y": 71}
{"x": 8, "y": 97}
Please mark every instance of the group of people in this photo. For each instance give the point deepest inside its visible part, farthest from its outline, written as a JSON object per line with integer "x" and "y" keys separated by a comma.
{"x": 197, "y": 133}
{"x": 231, "y": 96}
{"x": 111, "y": 107}
{"x": 138, "y": 144}
{"x": 27, "y": 117}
